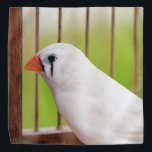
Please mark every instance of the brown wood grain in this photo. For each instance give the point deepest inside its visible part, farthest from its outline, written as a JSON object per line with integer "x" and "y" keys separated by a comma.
{"x": 15, "y": 74}
{"x": 51, "y": 138}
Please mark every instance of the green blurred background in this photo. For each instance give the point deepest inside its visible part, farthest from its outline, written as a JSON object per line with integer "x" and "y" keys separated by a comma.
{"x": 73, "y": 24}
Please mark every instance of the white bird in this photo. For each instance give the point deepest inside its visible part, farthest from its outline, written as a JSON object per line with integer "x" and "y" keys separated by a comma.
{"x": 99, "y": 110}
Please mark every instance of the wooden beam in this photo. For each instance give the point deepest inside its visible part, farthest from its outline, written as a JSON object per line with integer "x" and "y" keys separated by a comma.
{"x": 50, "y": 136}
{"x": 62, "y": 138}
{"x": 15, "y": 74}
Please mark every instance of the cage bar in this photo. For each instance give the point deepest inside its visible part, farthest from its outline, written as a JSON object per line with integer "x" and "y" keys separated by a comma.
{"x": 87, "y": 32}
{"x": 36, "y": 75}
{"x": 135, "y": 50}
{"x": 60, "y": 25}
{"x": 59, "y": 40}
{"x": 112, "y": 41}
{"x": 15, "y": 75}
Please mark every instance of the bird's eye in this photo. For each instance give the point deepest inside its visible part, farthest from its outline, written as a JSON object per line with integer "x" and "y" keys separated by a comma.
{"x": 52, "y": 58}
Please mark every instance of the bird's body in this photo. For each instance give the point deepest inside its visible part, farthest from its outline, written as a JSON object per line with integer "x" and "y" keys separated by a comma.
{"x": 98, "y": 109}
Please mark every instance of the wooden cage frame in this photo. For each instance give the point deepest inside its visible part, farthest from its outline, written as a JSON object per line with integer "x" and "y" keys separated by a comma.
{"x": 53, "y": 135}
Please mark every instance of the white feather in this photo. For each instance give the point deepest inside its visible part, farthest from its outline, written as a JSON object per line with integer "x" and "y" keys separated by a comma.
{"x": 98, "y": 109}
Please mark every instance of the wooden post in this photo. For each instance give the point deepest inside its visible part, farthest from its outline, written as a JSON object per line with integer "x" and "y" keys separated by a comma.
{"x": 59, "y": 40}
{"x": 112, "y": 41}
{"x": 36, "y": 75}
{"x": 87, "y": 32}
{"x": 15, "y": 75}
{"x": 135, "y": 51}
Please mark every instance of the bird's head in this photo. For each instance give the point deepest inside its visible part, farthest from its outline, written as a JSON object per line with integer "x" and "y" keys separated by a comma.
{"x": 57, "y": 63}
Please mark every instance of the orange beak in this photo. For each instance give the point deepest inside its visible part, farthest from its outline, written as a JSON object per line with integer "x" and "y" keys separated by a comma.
{"x": 34, "y": 64}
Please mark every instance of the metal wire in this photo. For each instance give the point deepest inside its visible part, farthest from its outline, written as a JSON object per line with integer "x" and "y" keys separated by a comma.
{"x": 87, "y": 32}
{"x": 36, "y": 75}
{"x": 112, "y": 41}
{"x": 59, "y": 40}
{"x": 60, "y": 25}
{"x": 135, "y": 51}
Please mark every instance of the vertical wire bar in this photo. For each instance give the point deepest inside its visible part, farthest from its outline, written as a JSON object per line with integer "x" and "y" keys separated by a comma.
{"x": 60, "y": 25}
{"x": 36, "y": 75}
{"x": 135, "y": 51}
{"x": 59, "y": 40}
{"x": 87, "y": 32}
{"x": 112, "y": 41}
